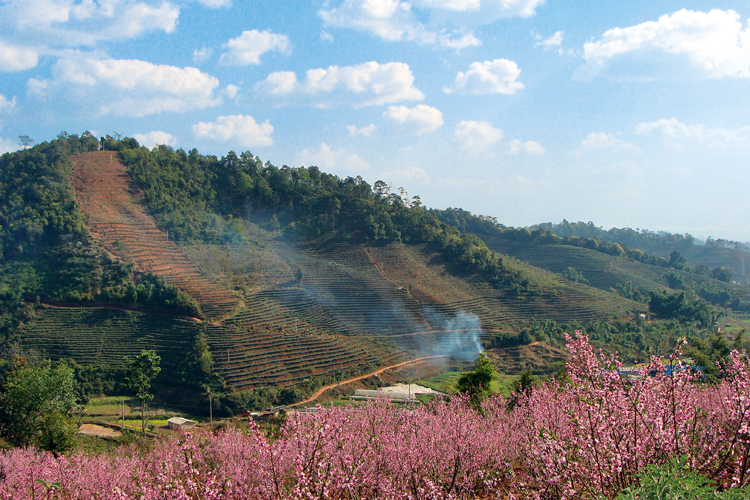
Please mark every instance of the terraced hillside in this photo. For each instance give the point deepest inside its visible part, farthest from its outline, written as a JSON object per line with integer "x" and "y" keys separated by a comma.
{"x": 107, "y": 198}
{"x": 410, "y": 268}
{"x": 606, "y": 271}
{"x": 103, "y": 337}
{"x": 251, "y": 356}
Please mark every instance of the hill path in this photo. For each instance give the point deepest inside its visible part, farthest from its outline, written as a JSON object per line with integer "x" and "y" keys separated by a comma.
{"x": 105, "y": 192}
{"x": 323, "y": 389}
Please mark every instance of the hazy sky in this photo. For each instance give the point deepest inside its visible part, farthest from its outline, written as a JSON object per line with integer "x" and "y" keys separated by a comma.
{"x": 629, "y": 114}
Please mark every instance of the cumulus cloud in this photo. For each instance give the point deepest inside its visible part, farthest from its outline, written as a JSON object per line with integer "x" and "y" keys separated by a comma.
{"x": 421, "y": 118}
{"x": 155, "y": 137}
{"x": 7, "y": 105}
{"x": 490, "y": 77}
{"x": 476, "y": 12}
{"x": 715, "y": 42}
{"x": 448, "y": 21}
{"x": 551, "y": 42}
{"x": 250, "y": 45}
{"x": 392, "y": 20}
{"x": 337, "y": 161}
{"x": 17, "y": 58}
{"x": 365, "y": 131}
{"x": 516, "y": 147}
{"x": 477, "y": 134}
{"x": 202, "y": 54}
{"x": 675, "y": 130}
{"x": 215, "y": 4}
{"x": 238, "y": 129}
{"x": 8, "y": 145}
{"x": 85, "y": 22}
{"x": 368, "y": 84}
{"x": 231, "y": 91}
{"x": 604, "y": 141}
{"x": 127, "y": 87}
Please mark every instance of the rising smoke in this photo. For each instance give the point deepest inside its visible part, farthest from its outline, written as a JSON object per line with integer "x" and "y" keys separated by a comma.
{"x": 457, "y": 336}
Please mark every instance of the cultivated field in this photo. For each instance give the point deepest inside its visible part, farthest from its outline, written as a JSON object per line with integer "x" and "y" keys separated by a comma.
{"x": 108, "y": 197}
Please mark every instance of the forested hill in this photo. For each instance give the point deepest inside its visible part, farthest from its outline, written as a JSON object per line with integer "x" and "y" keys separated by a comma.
{"x": 202, "y": 198}
{"x": 290, "y": 276}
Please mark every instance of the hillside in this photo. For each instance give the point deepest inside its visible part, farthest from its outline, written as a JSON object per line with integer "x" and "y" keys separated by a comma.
{"x": 107, "y": 198}
{"x": 302, "y": 278}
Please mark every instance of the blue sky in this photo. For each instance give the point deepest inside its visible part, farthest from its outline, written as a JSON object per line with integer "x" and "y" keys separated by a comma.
{"x": 628, "y": 114}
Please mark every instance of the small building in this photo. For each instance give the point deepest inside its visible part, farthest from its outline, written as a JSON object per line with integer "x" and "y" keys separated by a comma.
{"x": 398, "y": 392}
{"x": 180, "y": 424}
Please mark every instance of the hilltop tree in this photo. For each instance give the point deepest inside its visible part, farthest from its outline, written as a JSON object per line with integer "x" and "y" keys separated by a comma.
{"x": 25, "y": 141}
{"x": 140, "y": 372}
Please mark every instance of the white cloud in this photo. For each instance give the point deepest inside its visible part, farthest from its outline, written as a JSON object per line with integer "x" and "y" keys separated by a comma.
{"x": 516, "y": 147}
{"x": 365, "y": 131}
{"x": 714, "y": 42}
{"x": 489, "y": 77}
{"x": 336, "y": 161}
{"x": 17, "y": 58}
{"x": 482, "y": 11}
{"x": 477, "y": 134}
{"x": 238, "y": 129}
{"x": 155, "y": 137}
{"x": 368, "y": 84}
{"x": 604, "y": 141}
{"x": 123, "y": 87}
{"x": 421, "y": 118}
{"x": 676, "y": 130}
{"x": 279, "y": 83}
{"x": 7, "y": 105}
{"x": 231, "y": 91}
{"x": 552, "y": 41}
{"x": 453, "y": 5}
{"x": 215, "y": 4}
{"x": 86, "y": 22}
{"x": 250, "y": 45}
{"x": 392, "y": 20}
{"x": 8, "y": 145}
{"x": 203, "y": 54}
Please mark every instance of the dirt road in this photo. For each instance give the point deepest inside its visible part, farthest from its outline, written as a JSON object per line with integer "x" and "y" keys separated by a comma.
{"x": 320, "y": 391}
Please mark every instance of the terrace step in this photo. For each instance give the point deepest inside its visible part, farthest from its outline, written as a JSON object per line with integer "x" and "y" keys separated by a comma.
{"x": 103, "y": 190}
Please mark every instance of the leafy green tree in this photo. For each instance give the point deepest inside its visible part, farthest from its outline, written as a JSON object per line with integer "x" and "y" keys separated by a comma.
{"x": 523, "y": 385}
{"x": 140, "y": 372}
{"x": 477, "y": 383}
{"x": 36, "y": 404}
{"x": 722, "y": 274}
{"x": 25, "y": 141}
{"x": 712, "y": 355}
{"x": 676, "y": 480}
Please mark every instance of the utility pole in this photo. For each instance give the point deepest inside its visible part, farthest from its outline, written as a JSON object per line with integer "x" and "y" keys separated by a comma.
{"x": 211, "y": 409}
{"x": 123, "y": 413}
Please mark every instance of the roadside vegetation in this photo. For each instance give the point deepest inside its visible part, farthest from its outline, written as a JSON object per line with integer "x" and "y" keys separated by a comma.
{"x": 591, "y": 434}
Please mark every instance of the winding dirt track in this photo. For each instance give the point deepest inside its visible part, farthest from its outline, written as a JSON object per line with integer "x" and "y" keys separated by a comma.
{"x": 323, "y": 389}
{"x": 105, "y": 192}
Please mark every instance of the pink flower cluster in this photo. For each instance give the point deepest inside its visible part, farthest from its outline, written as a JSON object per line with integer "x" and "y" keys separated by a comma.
{"x": 581, "y": 439}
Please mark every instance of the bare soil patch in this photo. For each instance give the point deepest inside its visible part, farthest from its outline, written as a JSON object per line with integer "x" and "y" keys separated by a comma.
{"x": 107, "y": 196}
{"x": 98, "y": 431}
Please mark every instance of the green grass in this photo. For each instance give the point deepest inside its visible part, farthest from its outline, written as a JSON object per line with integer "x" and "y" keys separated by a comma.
{"x": 110, "y": 400}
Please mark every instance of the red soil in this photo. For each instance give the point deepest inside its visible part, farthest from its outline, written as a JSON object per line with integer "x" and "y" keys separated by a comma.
{"x": 320, "y": 391}
{"x": 107, "y": 195}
